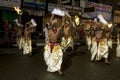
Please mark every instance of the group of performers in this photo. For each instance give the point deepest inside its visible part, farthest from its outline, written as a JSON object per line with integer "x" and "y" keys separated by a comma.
{"x": 100, "y": 42}
{"x": 54, "y": 50}
{"x": 23, "y": 38}
{"x": 98, "y": 39}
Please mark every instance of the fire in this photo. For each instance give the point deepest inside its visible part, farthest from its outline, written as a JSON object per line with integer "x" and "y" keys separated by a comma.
{"x": 18, "y": 10}
{"x": 110, "y": 25}
{"x": 77, "y": 20}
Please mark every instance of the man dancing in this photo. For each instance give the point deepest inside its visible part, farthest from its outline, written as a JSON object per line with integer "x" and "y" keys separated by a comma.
{"x": 118, "y": 43}
{"x": 99, "y": 47}
{"x": 19, "y": 39}
{"x": 18, "y": 29}
{"x": 27, "y": 48}
{"x": 88, "y": 35}
{"x": 27, "y": 42}
{"x": 67, "y": 40}
{"x": 53, "y": 53}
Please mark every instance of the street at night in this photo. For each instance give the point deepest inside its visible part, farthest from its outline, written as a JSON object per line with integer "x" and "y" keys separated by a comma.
{"x": 77, "y": 66}
{"x": 59, "y": 39}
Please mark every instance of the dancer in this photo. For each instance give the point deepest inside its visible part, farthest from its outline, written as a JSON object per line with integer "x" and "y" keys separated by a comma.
{"x": 53, "y": 54}
{"x": 118, "y": 43}
{"x": 99, "y": 47}
{"x": 88, "y": 35}
{"x": 29, "y": 29}
{"x": 46, "y": 32}
{"x": 67, "y": 40}
{"x": 19, "y": 39}
{"x": 27, "y": 42}
{"x": 19, "y": 33}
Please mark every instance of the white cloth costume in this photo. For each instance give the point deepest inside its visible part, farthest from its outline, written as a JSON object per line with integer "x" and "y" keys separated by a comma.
{"x": 109, "y": 42}
{"x": 58, "y": 12}
{"x": 100, "y": 50}
{"x": 53, "y": 56}
{"x": 19, "y": 42}
{"x": 88, "y": 39}
{"x": 27, "y": 47}
{"x": 46, "y": 34}
{"x": 118, "y": 47}
{"x": 67, "y": 43}
{"x": 101, "y": 18}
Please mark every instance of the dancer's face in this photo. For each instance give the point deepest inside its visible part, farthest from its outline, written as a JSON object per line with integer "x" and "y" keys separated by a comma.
{"x": 99, "y": 35}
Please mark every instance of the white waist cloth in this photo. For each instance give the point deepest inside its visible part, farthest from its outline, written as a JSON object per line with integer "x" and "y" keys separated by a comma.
{"x": 109, "y": 43}
{"x": 67, "y": 43}
{"x": 99, "y": 51}
{"x": 88, "y": 39}
{"x": 19, "y": 42}
{"x": 27, "y": 48}
{"x": 53, "y": 58}
{"x": 118, "y": 48}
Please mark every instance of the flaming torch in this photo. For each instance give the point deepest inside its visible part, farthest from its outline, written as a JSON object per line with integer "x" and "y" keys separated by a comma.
{"x": 77, "y": 20}
{"x": 19, "y": 12}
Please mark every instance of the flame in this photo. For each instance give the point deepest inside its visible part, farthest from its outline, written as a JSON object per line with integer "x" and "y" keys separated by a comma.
{"x": 110, "y": 25}
{"x": 77, "y": 20}
{"x": 18, "y": 10}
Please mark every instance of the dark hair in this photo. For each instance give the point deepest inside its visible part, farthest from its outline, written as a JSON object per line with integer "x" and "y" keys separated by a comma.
{"x": 46, "y": 24}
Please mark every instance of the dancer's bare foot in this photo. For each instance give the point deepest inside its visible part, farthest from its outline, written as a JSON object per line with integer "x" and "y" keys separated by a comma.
{"x": 60, "y": 72}
{"x": 106, "y": 61}
{"x": 30, "y": 53}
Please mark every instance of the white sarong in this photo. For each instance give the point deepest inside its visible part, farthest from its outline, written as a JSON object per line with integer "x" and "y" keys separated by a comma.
{"x": 67, "y": 43}
{"x": 109, "y": 42}
{"x": 118, "y": 48}
{"x": 19, "y": 42}
{"x": 103, "y": 50}
{"x": 27, "y": 48}
{"x": 88, "y": 39}
{"x": 53, "y": 58}
{"x": 99, "y": 51}
{"x": 93, "y": 49}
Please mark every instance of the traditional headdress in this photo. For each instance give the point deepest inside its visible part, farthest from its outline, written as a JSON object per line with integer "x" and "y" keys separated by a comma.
{"x": 33, "y": 22}
{"x": 18, "y": 24}
{"x": 58, "y": 12}
{"x": 101, "y": 18}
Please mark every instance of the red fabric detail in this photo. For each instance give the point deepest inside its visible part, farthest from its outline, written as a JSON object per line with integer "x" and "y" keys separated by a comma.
{"x": 54, "y": 30}
{"x": 52, "y": 44}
